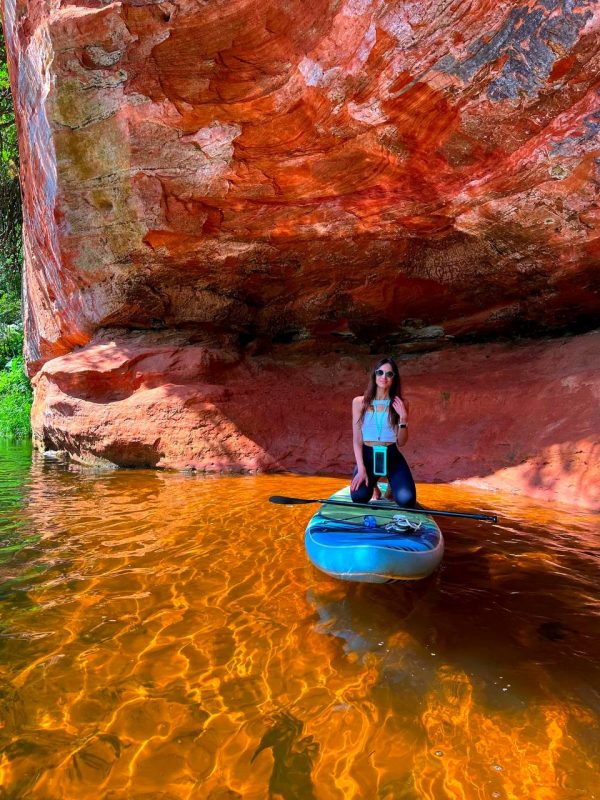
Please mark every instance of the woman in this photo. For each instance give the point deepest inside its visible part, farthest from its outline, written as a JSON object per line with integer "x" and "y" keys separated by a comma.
{"x": 380, "y": 427}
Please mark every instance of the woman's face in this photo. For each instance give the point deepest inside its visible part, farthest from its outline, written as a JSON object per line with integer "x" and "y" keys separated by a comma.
{"x": 384, "y": 375}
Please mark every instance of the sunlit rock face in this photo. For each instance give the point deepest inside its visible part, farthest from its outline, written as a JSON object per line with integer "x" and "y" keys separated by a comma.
{"x": 349, "y": 176}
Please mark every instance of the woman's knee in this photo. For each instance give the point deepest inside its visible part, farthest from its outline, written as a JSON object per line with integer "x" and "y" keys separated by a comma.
{"x": 362, "y": 495}
{"x": 405, "y": 496}
{"x": 402, "y": 483}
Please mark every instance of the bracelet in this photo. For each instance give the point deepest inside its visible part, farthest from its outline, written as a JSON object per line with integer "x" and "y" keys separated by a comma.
{"x": 402, "y": 425}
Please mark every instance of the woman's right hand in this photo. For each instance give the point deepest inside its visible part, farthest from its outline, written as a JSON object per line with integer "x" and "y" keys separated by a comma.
{"x": 360, "y": 477}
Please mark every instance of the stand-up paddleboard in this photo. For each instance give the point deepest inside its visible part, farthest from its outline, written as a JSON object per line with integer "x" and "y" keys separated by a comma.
{"x": 375, "y": 544}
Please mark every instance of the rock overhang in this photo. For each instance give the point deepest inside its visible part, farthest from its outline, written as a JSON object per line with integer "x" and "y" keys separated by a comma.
{"x": 343, "y": 173}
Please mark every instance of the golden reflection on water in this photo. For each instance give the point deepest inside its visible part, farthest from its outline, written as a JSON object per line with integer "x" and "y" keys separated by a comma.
{"x": 164, "y": 636}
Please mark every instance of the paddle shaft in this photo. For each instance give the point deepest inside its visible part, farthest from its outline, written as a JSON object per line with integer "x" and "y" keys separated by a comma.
{"x": 387, "y": 507}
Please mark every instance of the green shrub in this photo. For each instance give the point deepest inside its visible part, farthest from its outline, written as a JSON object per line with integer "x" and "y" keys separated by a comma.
{"x": 10, "y": 307}
{"x": 11, "y": 246}
{"x": 15, "y": 389}
{"x": 11, "y": 328}
{"x": 15, "y": 400}
{"x": 11, "y": 342}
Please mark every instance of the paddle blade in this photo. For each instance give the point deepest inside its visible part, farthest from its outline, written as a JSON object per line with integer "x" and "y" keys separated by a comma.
{"x": 289, "y": 501}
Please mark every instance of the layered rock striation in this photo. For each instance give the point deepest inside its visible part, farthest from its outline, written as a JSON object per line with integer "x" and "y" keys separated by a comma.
{"x": 278, "y": 185}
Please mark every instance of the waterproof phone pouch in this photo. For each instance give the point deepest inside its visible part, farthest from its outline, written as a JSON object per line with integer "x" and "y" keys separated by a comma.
{"x": 380, "y": 460}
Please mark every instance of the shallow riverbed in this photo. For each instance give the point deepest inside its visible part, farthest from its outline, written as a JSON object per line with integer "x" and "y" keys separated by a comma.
{"x": 163, "y": 636}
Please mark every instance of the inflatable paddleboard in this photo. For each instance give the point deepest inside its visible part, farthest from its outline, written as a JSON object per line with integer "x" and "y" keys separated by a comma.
{"x": 377, "y": 544}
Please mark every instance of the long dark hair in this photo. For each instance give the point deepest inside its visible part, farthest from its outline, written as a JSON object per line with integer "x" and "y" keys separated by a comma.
{"x": 371, "y": 391}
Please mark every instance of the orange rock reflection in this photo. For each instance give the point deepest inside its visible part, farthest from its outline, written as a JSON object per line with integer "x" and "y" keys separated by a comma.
{"x": 164, "y": 636}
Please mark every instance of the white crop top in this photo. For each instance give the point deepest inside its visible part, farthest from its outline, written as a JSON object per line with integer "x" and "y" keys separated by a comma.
{"x": 376, "y": 424}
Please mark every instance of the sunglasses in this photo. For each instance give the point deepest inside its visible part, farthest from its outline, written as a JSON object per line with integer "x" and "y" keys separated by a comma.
{"x": 380, "y": 373}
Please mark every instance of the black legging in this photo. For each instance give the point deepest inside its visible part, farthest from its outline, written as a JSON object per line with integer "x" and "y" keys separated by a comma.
{"x": 398, "y": 474}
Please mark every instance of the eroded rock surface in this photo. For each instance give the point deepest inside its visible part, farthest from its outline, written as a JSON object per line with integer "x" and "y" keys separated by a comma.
{"x": 339, "y": 175}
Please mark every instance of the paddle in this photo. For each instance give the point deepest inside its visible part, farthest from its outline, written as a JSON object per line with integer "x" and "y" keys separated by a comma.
{"x": 296, "y": 501}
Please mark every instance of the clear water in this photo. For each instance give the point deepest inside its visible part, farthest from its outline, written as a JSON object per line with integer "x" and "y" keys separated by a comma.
{"x": 163, "y": 636}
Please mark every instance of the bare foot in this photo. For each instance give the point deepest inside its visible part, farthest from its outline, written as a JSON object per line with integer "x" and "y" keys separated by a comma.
{"x": 376, "y": 493}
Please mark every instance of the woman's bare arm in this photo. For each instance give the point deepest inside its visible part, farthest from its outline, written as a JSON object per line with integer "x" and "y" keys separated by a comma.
{"x": 357, "y": 440}
{"x": 402, "y": 409}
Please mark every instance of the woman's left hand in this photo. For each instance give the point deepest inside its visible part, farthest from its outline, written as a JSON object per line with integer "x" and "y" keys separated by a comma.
{"x": 400, "y": 409}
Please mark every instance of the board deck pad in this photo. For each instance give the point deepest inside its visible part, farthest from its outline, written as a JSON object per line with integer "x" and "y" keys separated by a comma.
{"x": 340, "y": 543}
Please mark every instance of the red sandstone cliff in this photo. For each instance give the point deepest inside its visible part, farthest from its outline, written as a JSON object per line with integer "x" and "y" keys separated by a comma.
{"x": 283, "y": 186}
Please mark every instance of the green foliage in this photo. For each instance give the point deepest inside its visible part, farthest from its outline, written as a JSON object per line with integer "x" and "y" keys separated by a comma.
{"x": 15, "y": 389}
{"x": 11, "y": 342}
{"x": 11, "y": 249}
{"x": 10, "y": 308}
{"x": 15, "y": 400}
